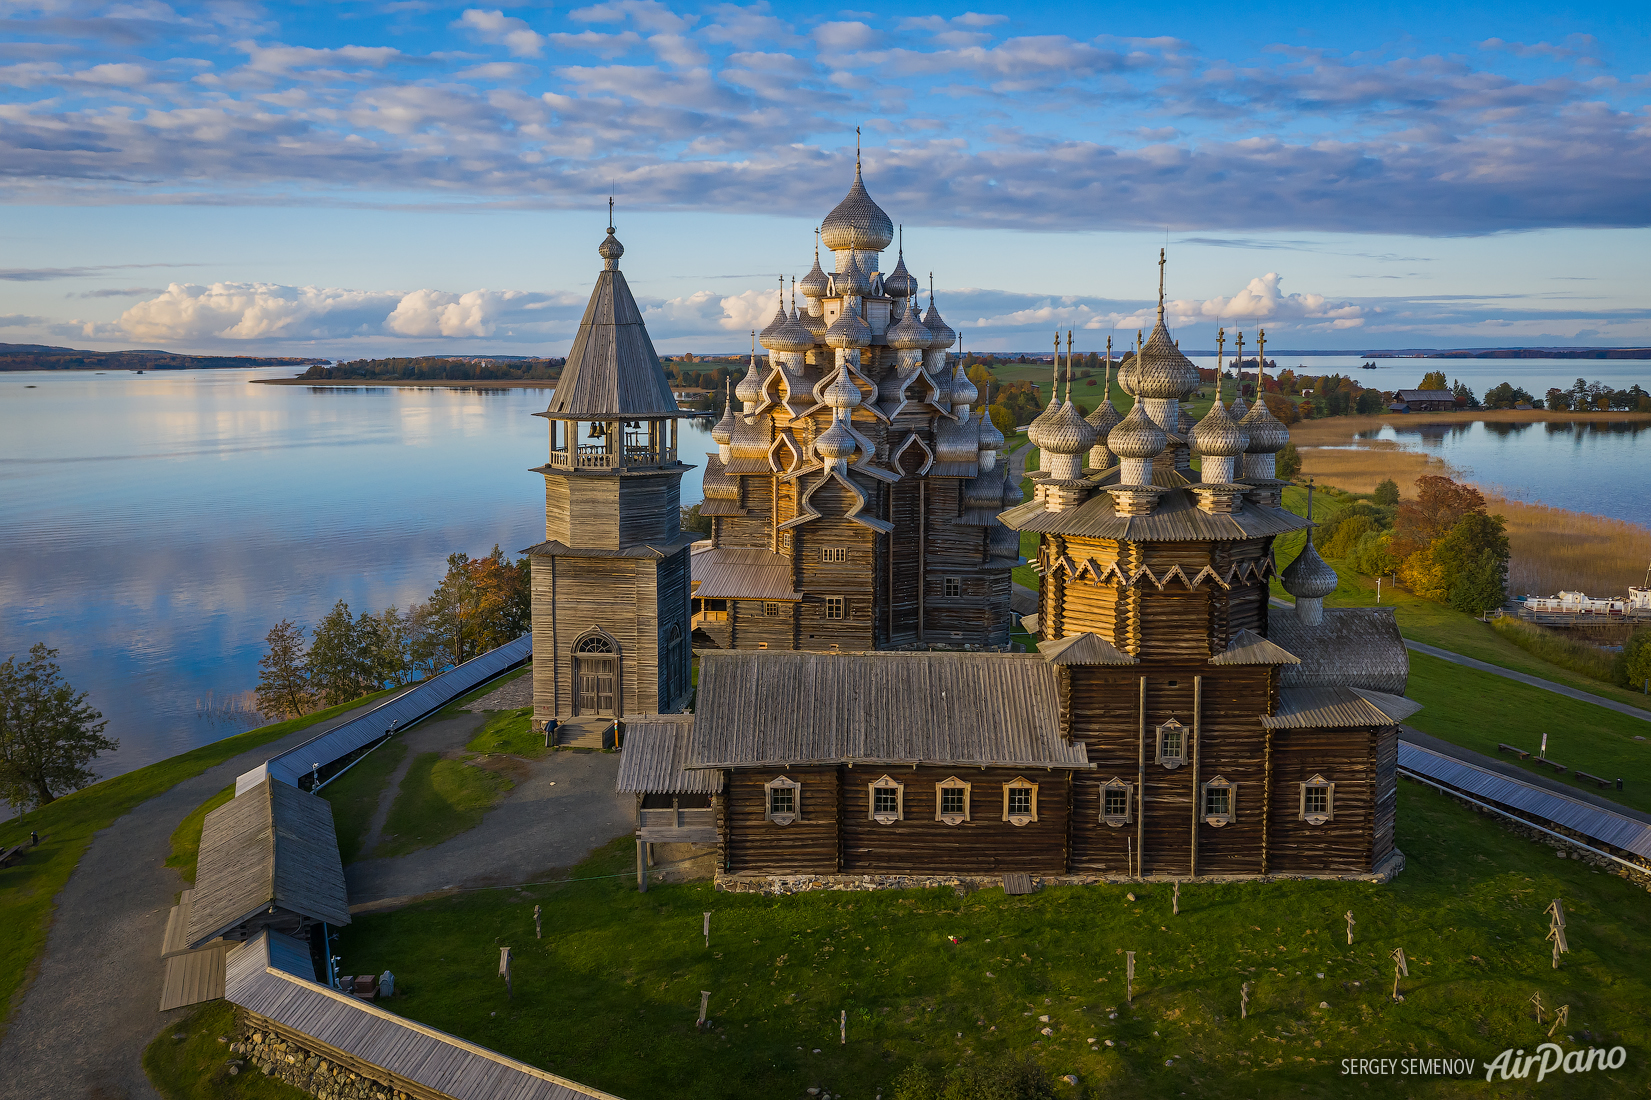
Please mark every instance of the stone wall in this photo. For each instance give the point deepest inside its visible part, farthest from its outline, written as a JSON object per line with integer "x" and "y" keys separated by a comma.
{"x": 304, "y": 1069}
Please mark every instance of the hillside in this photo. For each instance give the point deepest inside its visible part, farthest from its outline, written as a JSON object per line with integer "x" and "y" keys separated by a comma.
{"x": 47, "y": 357}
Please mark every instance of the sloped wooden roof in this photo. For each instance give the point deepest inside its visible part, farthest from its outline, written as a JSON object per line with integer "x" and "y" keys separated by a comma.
{"x": 1249, "y": 648}
{"x": 742, "y": 573}
{"x": 1357, "y": 646}
{"x": 264, "y": 976}
{"x": 273, "y": 844}
{"x": 1176, "y": 518}
{"x": 1084, "y": 649}
{"x": 655, "y": 756}
{"x": 778, "y": 709}
{"x": 1338, "y": 708}
{"x": 612, "y": 371}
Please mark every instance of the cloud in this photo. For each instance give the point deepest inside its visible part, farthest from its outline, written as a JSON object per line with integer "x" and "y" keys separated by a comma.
{"x": 39, "y": 274}
{"x": 495, "y": 26}
{"x": 650, "y": 15}
{"x": 124, "y": 292}
{"x": 434, "y": 313}
{"x": 1263, "y": 300}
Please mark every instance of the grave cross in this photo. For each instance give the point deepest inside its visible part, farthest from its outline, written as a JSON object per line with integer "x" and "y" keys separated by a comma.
{"x": 1244, "y": 1001}
{"x": 1563, "y": 1016}
{"x": 1175, "y": 901}
{"x": 1129, "y": 976}
{"x": 538, "y": 929}
{"x": 704, "y": 1004}
{"x": 1350, "y": 923}
{"x": 1556, "y": 930}
{"x": 842, "y": 1026}
{"x": 1401, "y": 966}
{"x": 707, "y": 930}
{"x": 504, "y": 971}
{"x": 1536, "y": 999}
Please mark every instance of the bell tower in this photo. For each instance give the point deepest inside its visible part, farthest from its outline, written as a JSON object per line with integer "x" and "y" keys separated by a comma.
{"x": 610, "y": 581}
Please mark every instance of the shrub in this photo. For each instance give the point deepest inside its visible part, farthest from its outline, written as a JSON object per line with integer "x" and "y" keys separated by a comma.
{"x": 1556, "y": 648}
{"x": 1288, "y": 463}
{"x": 1632, "y": 667}
{"x": 1373, "y": 555}
{"x": 1387, "y": 493}
{"x": 1424, "y": 576}
{"x": 1346, "y": 535}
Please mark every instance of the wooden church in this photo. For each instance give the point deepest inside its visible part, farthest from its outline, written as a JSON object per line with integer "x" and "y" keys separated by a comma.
{"x": 1168, "y": 725}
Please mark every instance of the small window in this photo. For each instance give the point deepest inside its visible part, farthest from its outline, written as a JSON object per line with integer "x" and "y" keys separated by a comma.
{"x": 954, "y": 586}
{"x": 952, "y": 801}
{"x": 1318, "y": 800}
{"x": 833, "y": 554}
{"x": 1172, "y": 744}
{"x": 834, "y": 606}
{"x": 770, "y": 609}
{"x": 1020, "y": 801}
{"x": 1115, "y": 802}
{"x": 1220, "y": 802}
{"x": 888, "y": 801}
{"x": 784, "y": 801}
{"x": 593, "y": 643}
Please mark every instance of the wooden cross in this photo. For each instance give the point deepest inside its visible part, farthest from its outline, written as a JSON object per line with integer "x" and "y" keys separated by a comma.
{"x": 1244, "y": 1001}
{"x": 707, "y": 930}
{"x": 1350, "y": 923}
{"x": 1556, "y": 930}
{"x": 538, "y": 928}
{"x": 1175, "y": 901}
{"x": 842, "y": 1026}
{"x": 1556, "y": 911}
{"x": 1401, "y": 966}
{"x": 704, "y": 1005}
{"x": 1561, "y": 1017}
{"x": 1129, "y": 976}
{"x": 1536, "y": 999}
{"x": 504, "y": 971}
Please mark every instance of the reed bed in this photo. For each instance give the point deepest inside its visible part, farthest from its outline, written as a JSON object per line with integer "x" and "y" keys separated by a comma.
{"x": 1558, "y": 550}
{"x": 238, "y": 710}
{"x": 1556, "y": 648}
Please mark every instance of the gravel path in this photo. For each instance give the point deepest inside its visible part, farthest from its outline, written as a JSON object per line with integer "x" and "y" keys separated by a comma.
{"x": 83, "y": 1024}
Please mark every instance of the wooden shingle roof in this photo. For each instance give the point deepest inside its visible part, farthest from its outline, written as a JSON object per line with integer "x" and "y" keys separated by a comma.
{"x": 741, "y": 573}
{"x": 1084, "y": 649}
{"x": 612, "y": 371}
{"x": 1356, "y": 646}
{"x": 655, "y": 756}
{"x": 1249, "y": 648}
{"x": 779, "y": 709}
{"x": 1338, "y": 708}
{"x": 1175, "y": 518}
{"x": 271, "y": 845}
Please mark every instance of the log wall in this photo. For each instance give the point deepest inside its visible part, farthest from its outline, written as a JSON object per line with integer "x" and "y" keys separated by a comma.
{"x": 751, "y": 844}
{"x": 985, "y": 844}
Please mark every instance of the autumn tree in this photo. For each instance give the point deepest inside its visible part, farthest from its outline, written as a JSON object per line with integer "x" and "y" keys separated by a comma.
{"x": 48, "y": 735}
{"x": 283, "y": 672}
{"x": 1474, "y": 559}
{"x": 1434, "y": 380}
{"x": 1437, "y": 507}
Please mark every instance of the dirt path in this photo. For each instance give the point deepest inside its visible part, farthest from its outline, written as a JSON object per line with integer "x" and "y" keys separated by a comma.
{"x": 451, "y": 733}
{"x": 82, "y": 1026}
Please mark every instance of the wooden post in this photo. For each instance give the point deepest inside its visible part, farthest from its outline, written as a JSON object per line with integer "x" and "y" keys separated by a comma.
{"x": 504, "y": 970}
{"x": 1141, "y": 788}
{"x": 1266, "y": 801}
{"x": 707, "y": 930}
{"x": 1401, "y": 967}
{"x": 1244, "y": 1001}
{"x": 1175, "y": 901}
{"x": 1536, "y": 999}
{"x": 1350, "y": 923}
{"x": 538, "y": 928}
{"x": 1197, "y": 717}
{"x": 1129, "y": 977}
{"x": 842, "y": 1027}
{"x": 704, "y": 1004}
{"x": 641, "y": 868}
{"x": 1560, "y": 1017}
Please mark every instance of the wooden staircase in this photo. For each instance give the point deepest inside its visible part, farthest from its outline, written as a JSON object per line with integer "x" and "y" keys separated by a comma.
{"x": 585, "y": 733}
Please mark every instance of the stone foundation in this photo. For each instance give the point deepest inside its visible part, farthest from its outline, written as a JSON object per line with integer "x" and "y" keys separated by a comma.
{"x": 303, "y": 1069}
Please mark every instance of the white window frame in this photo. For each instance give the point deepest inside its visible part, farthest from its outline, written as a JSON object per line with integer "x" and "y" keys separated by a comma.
{"x": 833, "y": 555}
{"x": 1020, "y": 782}
{"x": 886, "y": 783}
{"x": 840, "y": 603}
{"x": 1180, "y": 732}
{"x": 1218, "y": 820}
{"x": 779, "y": 783}
{"x": 952, "y": 587}
{"x": 952, "y": 783}
{"x": 1114, "y": 820}
{"x": 1329, "y": 789}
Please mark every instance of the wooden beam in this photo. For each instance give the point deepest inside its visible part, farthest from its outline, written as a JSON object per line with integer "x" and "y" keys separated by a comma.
{"x": 1266, "y": 801}
{"x": 1141, "y": 788}
{"x": 641, "y": 866}
{"x": 1197, "y": 717}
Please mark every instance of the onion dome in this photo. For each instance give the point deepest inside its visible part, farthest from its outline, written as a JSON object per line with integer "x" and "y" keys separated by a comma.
{"x": 1035, "y": 430}
{"x": 848, "y": 331}
{"x": 1011, "y": 492}
{"x": 1309, "y": 576}
{"x": 964, "y": 390}
{"x": 610, "y": 249}
{"x": 842, "y": 393}
{"x": 814, "y": 326}
{"x": 910, "y": 333}
{"x": 723, "y": 432}
{"x": 857, "y": 222}
{"x": 1136, "y": 436}
{"x": 1267, "y": 435}
{"x": 749, "y": 391}
{"x": 853, "y": 281}
{"x": 1104, "y": 419}
{"x": 1126, "y": 375}
{"x": 1238, "y": 409}
{"x": 1068, "y": 433}
{"x": 835, "y": 442}
{"x": 1218, "y": 435}
{"x": 990, "y": 438}
{"x": 773, "y": 325}
{"x": 1163, "y": 372}
{"x": 900, "y": 283}
{"x": 944, "y": 337}
{"x": 815, "y": 284}
{"x": 790, "y": 336}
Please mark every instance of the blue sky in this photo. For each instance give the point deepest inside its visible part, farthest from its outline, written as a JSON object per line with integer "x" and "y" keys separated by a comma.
{"x": 347, "y": 179}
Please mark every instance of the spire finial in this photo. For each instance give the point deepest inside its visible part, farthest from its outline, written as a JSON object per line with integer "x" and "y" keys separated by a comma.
{"x": 1220, "y": 351}
{"x": 816, "y": 244}
{"x": 1069, "y": 364}
{"x": 1261, "y": 361}
{"x": 793, "y": 294}
{"x": 1309, "y": 508}
{"x": 902, "y": 240}
{"x": 1055, "y": 394}
{"x": 1106, "y": 394}
{"x": 1160, "y": 286}
{"x": 857, "y": 152}
{"x": 610, "y": 213}
{"x": 931, "y": 288}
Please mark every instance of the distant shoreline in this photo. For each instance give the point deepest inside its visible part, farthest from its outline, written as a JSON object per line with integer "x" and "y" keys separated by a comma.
{"x": 414, "y": 383}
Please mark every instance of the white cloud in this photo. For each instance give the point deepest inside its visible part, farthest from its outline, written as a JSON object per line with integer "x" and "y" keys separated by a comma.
{"x": 495, "y": 26}
{"x": 1262, "y": 300}
{"x": 436, "y": 313}
{"x": 251, "y": 311}
{"x": 650, "y": 15}
{"x": 845, "y": 36}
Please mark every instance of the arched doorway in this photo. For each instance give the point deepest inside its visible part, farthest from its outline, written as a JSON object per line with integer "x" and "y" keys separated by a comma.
{"x": 596, "y": 675}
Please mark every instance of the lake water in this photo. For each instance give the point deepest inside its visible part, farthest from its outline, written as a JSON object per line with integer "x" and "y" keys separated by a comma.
{"x": 156, "y": 526}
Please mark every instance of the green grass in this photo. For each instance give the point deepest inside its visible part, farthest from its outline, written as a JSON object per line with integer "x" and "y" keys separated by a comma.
{"x": 461, "y": 705}
{"x": 186, "y": 838}
{"x": 196, "y": 1067}
{"x": 1555, "y": 647}
{"x": 355, "y": 795}
{"x": 439, "y": 799}
{"x": 610, "y": 995}
{"x": 510, "y": 732}
{"x": 27, "y": 888}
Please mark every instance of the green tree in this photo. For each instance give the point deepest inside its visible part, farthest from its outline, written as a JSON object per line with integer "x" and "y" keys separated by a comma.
{"x": 341, "y": 656}
{"x": 693, "y": 521}
{"x": 1434, "y": 380}
{"x": 1387, "y": 492}
{"x": 1288, "y": 462}
{"x": 1474, "y": 559}
{"x": 1347, "y": 535}
{"x": 47, "y": 732}
{"x": 283, "y": 672}
{"x": 387, "y": 644}
{"x": 1369, "y": 402}
{"x": 1373, "y": 556}
{"x": 1633, "y": 664}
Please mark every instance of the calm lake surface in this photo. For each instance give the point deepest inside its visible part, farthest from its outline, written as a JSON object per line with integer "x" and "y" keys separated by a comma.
{"x": 156, "y": 526}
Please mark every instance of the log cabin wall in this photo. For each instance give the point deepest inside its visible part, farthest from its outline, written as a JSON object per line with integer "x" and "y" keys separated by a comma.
{"x": 853, "y": 579}
{"x": 674, "y": 675}
{"x": 1387, "y": 793}
{"x": 986, "y": 844}
{"x": 1343, "y": 844}
{"x": 751, "y": 844}
{"x": 756, "y": 624}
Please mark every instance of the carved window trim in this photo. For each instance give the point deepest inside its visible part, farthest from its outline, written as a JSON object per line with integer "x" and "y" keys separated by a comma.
{"x": 1171, "y": 741}
{"x": 1325, "y": 809}
{"x": 1224, "y": 792}
{"x": 885, "y": 817}
{"x": 952, "y": 783}
{"x": 795, "y": 792}
{"x": 1117, "y": 787}
{"x": 1021, "y": 783}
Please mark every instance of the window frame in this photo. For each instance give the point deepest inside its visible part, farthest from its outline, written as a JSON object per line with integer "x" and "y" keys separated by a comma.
{"x": 1318, "y": 782}
{"x": 840, "y": 603}
{"x": 952, "y": 783}
{"x": 886, "y": 783}
{"x": 1180, "y": 732}
{"x": 770, "y": 607}
{"x": 951, "y": 588}
{"x": 833, "y": 555}
{"x": 783, "y": 782}
{"x": 1020, "y": 782}
{"x": 1114, "y": 820}
{"x": 1218, "y": 783}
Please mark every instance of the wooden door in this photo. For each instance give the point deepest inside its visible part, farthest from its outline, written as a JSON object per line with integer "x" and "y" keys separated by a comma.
{"x": 596, "y": 685}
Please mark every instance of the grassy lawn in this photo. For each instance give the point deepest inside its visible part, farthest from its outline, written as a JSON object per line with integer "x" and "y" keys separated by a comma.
{"x": 510, "y": 732}
{"x": 186, "y": 1062}
{"x": 355, "y": 794}
{"x": 186, "y": 838}
{"x": 67, "y": 825}
{"x": 610, "y": 995}
{"x": 440, "y": 798}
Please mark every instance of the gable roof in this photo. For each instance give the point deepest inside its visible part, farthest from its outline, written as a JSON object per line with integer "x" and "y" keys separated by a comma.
{"x": 784, "y": 709}
{"x": 1249, "y": 648}
{"x": 654, "y": 758}
{"x": 741, "y": 573}
{"x": 1084, "y": 649}
{"x": 1424, "y": 395}
{"x": 612, "y": 371}
{"x": 271, "y": 845}
{"x": 1339, "y": 708}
